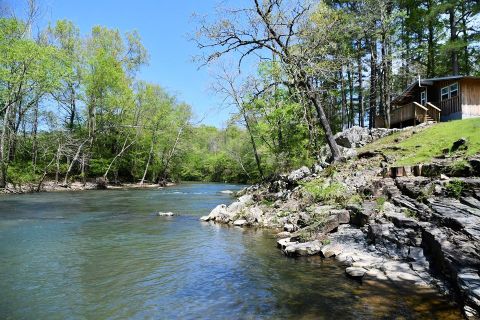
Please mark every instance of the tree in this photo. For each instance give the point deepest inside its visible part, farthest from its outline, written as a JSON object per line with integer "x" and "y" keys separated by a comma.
{"x": 276, "y": 27}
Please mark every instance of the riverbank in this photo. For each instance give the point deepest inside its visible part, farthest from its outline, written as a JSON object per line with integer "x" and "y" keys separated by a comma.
{"x": 52, "y": 186}
{"x": 383, "y": 220}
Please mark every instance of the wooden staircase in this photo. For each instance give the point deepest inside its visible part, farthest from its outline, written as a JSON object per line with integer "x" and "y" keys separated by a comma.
{"x": 430, "y": 119}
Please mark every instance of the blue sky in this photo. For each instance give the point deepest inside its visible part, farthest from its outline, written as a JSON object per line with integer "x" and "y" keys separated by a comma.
{"x": 164, "y": 27}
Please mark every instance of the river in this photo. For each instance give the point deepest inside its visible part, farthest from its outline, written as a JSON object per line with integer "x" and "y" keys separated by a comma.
{"x": 106, "y": 255}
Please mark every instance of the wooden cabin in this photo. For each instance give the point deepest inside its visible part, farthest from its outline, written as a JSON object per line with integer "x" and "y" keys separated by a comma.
{"x": 436, "y": 99}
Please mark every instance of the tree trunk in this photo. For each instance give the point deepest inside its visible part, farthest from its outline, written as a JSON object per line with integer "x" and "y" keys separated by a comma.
{"x": 254, "y": 145}
{"x": 453, "y": 40}
{"x": 4, "y": 149}
{"x": 34, "y": 134}
{"x": 75, "y": 159}
{"x": 361, "y": 111}
{"x": 373, "y": 83}
{"x": 345, "y": 117}
{"x": 351, "y": 113}
{"x": 148, "y": 163}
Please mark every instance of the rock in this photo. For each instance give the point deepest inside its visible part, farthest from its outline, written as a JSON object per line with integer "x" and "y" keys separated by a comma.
{"x": 330, "y": 225}
{"x": 298, "y": 174}
{"x": 204, "y": 218}
{"x": 475, "y": 164}
{"x": 459, "y": 144}
{"x": 219, "y": 214}
{"x": 343, "y": 215}
{"x": 444, "y": 177}
{"x": 240, "y": 222}
{"x": 283, "y": 234}
{"x": 289, "y": 227}
{"x": 331, "y": 250}
{"x": 469, "y": 283}
{"x": 101, "y": 183}
{"x": 165, "y": 214}
{"x": 356, "y": 272}
{"x": 317, "y": 168}
{"x": 375, "y": 274}
{"x": 283, "y": 243}
{"x": 401, "y": 221}
{"x": 303, "y": 249}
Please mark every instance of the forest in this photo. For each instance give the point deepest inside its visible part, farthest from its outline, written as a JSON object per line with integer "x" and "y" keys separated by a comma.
{"x": 72, "y": 107}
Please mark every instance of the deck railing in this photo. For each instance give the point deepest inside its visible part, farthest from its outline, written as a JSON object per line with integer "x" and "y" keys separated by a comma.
{"x": 412, "y": 112}
{"x": 433, "y": 112}
{"x": 450, "y": 105}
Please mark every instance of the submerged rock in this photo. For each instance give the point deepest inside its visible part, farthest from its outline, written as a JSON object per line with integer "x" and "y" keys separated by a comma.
{"x": 165, "y": 214}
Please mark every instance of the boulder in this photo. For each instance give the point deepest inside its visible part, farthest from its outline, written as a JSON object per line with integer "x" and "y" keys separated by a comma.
{"x": 240, "y": 222}
{"x": 298, "y": 174}
{"x": 355, "y": 272}
{"x": 303, "y": 249}
{"x": 459, "y": 144}
{"x": 331, "y": 250}
{"x": 343, "y": 215}
{"x": 289, "y": 227}
{"x": 219, "y": 213}
{"x": 101, "y": 183}
{"x": 283, "y": 243}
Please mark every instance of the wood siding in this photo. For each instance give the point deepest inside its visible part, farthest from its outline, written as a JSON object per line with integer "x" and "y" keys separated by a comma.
{"x": 470, "y": 98}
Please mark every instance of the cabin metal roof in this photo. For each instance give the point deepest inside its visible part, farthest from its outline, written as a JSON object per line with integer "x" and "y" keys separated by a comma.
{"x": 427, "y": 82}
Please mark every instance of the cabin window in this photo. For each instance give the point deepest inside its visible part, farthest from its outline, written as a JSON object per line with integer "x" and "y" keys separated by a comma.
{"x": 445, "y": 93}
{"x": 454, "y": 90}
{"x": 449, "y": 91}
{"x": 423, "y": 98}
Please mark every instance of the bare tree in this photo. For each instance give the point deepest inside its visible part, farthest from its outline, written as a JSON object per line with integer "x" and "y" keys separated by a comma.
{"x": 228, "y": 86}
{"x": 274, "y": 27}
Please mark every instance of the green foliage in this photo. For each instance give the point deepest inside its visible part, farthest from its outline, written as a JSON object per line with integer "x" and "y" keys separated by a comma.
{"x": 355, "y": 199}
{"x": 326, "y": 192}
{"x": 380, "y": 202}
{"x": 410, "y": 213}
{"x": 455, "y": 188}
{"x": 22, "y": 173}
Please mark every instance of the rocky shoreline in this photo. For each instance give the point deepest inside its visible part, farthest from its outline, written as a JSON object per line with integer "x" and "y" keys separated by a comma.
{"x": 416, "y": 226}
{"x": 52, "y": 186}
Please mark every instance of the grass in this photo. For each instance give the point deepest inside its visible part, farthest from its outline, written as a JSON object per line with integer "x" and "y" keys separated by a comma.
{"x": 420, "y": 145}
{"x": 329, "y": 193}
{"x": 410, "y": 213}
{"x": 380, "y": 202}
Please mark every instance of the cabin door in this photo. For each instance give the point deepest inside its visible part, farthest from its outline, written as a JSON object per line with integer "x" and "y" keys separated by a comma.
{"x": 423, "y": 97}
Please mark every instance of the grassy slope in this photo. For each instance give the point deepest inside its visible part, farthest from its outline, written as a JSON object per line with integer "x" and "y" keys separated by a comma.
{"x": 420, "y": 145}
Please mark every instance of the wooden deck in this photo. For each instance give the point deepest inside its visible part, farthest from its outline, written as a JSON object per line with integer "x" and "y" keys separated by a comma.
{"x": 410, "y": 113}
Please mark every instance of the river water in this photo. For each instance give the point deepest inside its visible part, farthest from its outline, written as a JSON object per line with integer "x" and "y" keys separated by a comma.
{"x": 105, "y": 255}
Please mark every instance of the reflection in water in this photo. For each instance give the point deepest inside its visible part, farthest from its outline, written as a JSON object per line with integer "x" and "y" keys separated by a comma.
{"x": 104, "y": 254}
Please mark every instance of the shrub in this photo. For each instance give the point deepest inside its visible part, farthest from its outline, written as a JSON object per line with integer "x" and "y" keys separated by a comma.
{"x": 333, "y": 192}
{"x": 355, "y": 199}
{"x": 380, "y": 202}
{"x": 455, "y": 188}
{"x": 410, "y": 213}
